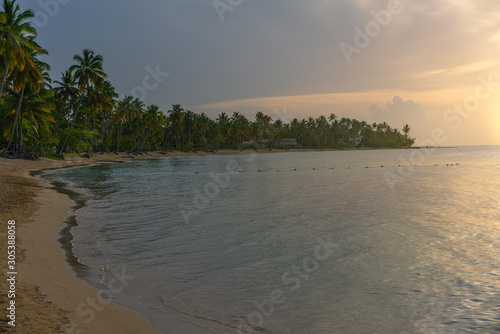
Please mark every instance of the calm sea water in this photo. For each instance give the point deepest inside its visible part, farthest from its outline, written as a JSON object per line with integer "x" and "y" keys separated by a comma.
{"x": 303, "y": 242}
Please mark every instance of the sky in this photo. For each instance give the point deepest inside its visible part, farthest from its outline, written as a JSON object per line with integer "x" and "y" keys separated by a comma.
{"x": 432, "y": 64}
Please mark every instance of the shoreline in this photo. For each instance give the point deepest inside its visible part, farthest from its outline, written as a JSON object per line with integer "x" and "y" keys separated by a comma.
{"x": 48, "y": 291}
{"x": 45, "y": 296}
{"x": 48, "y": 298}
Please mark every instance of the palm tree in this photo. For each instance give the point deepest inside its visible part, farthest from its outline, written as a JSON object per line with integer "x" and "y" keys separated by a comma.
{"x": 224, "y": 125}
{"x": 176, "y": 117}
{"x": 107, "y": 105}
{"x": 124, "y": 112}
{"x": 32, "y": 74}
{"x": 34, "y": 107}
{"x": 66, "y": 92}
{"x": 150, "y": 121}
{"x": 406, "y": 130}
{"x": 100, "y": 99}
{"x": 16, "y": 39}
{"x": 86, "y": 72}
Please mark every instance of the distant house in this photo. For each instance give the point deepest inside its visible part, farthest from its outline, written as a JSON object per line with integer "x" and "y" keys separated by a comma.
{"x": 287, "y": 143}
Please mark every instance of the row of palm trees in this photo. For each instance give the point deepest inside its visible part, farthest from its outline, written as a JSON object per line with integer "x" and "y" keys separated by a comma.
{"x": 82, "y": 112}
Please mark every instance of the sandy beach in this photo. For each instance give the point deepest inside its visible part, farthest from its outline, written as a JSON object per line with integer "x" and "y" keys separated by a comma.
{"x": 49, "y": 297}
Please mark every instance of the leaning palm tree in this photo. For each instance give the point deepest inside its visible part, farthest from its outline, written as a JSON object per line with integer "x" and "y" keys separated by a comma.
{"x": 16, "y": 39}
{"x": 32, "y": 74}
{"x": 86, "y": 72}
{"x": 37, "y": 108}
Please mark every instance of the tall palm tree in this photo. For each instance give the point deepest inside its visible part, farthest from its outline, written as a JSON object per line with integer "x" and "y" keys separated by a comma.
{"x": 32, "y": 74}
{"x": 176, "y": 116}
{"x": 107, "y": 105}
{"x": 224, "y": 124}
{"x": 124, "y": 111}
{"x": 35, "y": 107}
{"x": 16, "y": 39}
{"x": 150, "y": 121}
{"x": 86, "y": 72}
{"x": 99, "y": 100}
{"x": 66, "y": 92}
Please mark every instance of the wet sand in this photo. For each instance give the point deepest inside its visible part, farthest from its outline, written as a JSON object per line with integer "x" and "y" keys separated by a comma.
{"x": 49, "y": 297}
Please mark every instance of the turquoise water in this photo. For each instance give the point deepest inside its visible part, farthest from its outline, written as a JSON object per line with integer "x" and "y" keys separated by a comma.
{"x": 311, "y": 242}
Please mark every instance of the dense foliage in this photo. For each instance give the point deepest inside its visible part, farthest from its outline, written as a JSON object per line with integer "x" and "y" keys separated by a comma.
{"x": 80, "y": 112}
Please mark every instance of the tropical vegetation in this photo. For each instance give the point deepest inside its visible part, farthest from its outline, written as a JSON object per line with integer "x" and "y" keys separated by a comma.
{"x": 81, "y": 112}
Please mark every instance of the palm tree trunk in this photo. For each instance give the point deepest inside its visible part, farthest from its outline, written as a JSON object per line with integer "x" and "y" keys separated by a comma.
{"x": 20, "y": 145}
{"x": 91, "y": 137}
{"x": 165, "y": 142}
{"x": 119, "y": 138}
{"x": 3, "y": 80}
{"x": 103, "y": 129}
{"x": 144, "y": 140}
{"x": 14, "y": 128}
{"x": 71, "y": 126}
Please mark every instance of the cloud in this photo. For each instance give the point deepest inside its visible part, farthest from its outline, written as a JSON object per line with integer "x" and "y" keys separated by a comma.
{"x": 398, "y": 113}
